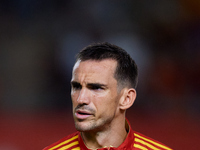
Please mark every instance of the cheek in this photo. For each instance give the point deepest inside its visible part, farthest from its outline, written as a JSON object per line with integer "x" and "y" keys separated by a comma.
{"x": 105, "y": 103}
{"x": 74, "y": 97}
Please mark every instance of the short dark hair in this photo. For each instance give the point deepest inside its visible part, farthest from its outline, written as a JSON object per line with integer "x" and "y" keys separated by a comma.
{"x": 126, "y": 72}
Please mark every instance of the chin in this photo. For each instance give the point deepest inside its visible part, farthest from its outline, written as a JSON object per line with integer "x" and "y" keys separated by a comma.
{"x": 84, "y": 127}
{"x": 80, "y": 127}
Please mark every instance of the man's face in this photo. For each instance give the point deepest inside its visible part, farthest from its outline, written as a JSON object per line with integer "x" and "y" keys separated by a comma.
{"x": 94, "y": 94}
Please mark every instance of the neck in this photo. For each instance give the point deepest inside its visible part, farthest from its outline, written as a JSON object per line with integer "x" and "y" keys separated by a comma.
{"x": 112, "y": 136}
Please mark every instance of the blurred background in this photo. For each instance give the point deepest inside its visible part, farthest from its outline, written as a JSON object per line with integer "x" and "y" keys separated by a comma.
{"x": 38, "y": 44}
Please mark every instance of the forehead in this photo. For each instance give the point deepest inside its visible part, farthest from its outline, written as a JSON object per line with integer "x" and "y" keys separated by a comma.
{"x": 94, "y": 70}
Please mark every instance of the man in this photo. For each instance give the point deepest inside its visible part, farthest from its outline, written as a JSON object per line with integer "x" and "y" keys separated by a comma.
{"x": 103, "y": 84}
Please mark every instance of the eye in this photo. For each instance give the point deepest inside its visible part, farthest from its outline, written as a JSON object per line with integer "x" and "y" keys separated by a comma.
{"x": 76, "y": 86}
{"x": 95, "y": 87}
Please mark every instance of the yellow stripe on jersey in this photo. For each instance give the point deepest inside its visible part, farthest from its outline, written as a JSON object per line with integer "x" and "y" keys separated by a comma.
{"x": 65, "y": 142}
{"x": 140, "y": 147}
{"x": 155, "y": 143}
{"x": 145, "y": 143}
{"x": 77, "y": 148}
{"x": 68, "y": 146}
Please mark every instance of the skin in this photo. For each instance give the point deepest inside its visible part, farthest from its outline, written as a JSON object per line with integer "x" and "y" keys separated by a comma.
{"x": 98, "y": 107}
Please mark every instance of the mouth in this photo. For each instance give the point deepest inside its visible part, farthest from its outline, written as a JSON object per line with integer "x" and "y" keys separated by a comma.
{"x": 81, "y": 114}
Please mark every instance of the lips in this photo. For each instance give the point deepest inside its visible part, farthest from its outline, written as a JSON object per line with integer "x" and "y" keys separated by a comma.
{"x": 82, "y": 114}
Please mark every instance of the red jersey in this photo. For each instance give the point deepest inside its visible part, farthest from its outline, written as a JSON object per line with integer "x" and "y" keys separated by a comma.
{"x": 133, "y": 141}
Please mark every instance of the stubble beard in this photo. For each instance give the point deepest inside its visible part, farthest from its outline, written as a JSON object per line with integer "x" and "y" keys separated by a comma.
{"x": 93, "y": 125}
{"x": 84, "y": 126}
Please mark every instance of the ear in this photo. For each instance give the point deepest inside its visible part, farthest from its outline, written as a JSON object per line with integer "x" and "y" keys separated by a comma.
{"x": 127, "y": 99}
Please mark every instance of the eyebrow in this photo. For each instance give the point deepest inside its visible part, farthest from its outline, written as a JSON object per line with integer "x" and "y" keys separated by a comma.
{"x": 75, "y": 83}
{"x": 96, "y": 85}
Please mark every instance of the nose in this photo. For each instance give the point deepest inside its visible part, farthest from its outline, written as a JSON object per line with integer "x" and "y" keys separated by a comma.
{"x": 83, "y": 97}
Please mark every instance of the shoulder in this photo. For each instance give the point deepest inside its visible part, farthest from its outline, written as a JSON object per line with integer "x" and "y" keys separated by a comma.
{"x": 66, "y": 142}
{"x": 143, "y": 142}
